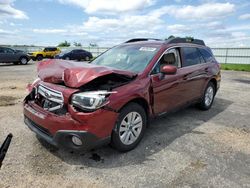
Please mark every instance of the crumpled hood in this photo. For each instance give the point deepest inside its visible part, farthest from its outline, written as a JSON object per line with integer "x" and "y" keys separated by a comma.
{"x": 74, "y": 74}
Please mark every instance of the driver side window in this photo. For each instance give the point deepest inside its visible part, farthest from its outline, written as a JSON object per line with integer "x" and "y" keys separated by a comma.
{"x": 165, "y": 60}
{"x": 8, "y": 51}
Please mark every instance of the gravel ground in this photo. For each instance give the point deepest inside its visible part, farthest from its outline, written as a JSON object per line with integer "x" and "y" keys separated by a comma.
{"x": 189, "y": 148}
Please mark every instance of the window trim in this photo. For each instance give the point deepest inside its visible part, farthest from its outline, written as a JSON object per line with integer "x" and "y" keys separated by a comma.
{"x": 200, "y": 55}
{"x": 172, "y": 47}
{"x": 8, "y": 50}
{"x": 181, "y": 57}
{"x": 210, "y": 53}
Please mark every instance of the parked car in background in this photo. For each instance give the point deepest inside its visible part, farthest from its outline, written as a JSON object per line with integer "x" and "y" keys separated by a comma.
{"x": 8, "y": 55}
{"x": 76, "y": 54}
{"x": 111, "y": 99}
{"x": 48, "y": 52}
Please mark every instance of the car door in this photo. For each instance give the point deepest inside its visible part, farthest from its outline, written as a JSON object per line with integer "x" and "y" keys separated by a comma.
{"x": 82, "y": 54}
{"x": 10, "y": 55}
{"x": 48, "y": 52}
{"x": 167, "y": 89}
{"x": 51, "y": 52}
{"x": 74, "y": 54}
{"x": 79, "y": 54}
{"x": 54, "y": 51}
{"x": 194, "y": 73}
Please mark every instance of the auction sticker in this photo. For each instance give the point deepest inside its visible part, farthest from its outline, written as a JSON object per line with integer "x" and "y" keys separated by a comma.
{"x": 147, "y": 49}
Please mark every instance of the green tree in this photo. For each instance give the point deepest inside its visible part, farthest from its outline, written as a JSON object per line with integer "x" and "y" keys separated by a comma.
{"x": 64, "y": 44}
{"x": 93, "y": 45}
{"x": 77, "y": 44}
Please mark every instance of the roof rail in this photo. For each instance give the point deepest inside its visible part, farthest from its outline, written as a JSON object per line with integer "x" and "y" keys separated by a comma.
{"x": 185, "y": 40}
{"x": 141, "y": 39}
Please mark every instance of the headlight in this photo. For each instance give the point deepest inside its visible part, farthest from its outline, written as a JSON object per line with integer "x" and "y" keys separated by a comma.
{"x": 91, "y": 100}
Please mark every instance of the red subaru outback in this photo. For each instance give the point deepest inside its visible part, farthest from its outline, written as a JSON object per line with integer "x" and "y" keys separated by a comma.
{"x": 110, "y": 100}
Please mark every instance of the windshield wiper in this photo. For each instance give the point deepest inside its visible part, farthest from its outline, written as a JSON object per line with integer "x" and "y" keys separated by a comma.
{"x": 4, "y": 148}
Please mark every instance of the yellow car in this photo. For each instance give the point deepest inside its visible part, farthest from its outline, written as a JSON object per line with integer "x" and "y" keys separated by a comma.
{"x": 48, "y": 52}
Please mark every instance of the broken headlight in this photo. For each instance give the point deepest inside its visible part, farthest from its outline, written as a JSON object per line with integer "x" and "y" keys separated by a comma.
{"x": 91, "y": 100}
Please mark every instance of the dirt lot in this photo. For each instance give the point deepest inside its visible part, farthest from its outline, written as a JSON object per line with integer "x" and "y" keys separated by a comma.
{"x": 190, "y": 148}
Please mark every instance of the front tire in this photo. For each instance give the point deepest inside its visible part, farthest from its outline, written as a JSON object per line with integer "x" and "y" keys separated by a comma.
{"x": 208, "y": 97}
{"x": 130, "y": 127}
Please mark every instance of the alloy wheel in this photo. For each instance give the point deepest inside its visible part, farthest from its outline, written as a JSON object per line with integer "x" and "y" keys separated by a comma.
{"x": 24, "y": 61}
{"x": 130, "y": 128}
{"x": 209, "y": 95}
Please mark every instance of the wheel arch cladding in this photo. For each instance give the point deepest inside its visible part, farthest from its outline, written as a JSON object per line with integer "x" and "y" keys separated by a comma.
{"x": 213, "y": 80}
{"x": 23, "y": 57}
{"x": 142, "y": 102}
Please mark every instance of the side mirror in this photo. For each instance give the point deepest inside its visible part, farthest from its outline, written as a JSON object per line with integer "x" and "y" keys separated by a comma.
{"x": 168, "y": 69}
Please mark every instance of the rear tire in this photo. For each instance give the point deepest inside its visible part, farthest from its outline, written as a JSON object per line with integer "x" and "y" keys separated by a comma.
{"x": 23, "y": 60}
{"x": 87, "y": 58}
{"x": 129, "y": 128}
{"x": 208, "y": 97}
{"x": 39, "y": 57}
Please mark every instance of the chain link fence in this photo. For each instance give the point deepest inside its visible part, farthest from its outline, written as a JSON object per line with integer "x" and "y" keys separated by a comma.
{"x": 232, "y": 55}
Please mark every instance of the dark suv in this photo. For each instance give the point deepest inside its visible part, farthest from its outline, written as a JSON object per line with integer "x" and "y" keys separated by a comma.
{"x": 76, "y": 54}
{"x": 8, "y": 55}
{"x": 111, "y": 99}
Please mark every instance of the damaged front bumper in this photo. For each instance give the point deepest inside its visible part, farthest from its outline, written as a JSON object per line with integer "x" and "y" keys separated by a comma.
{"x": 92, "y": 129}
{"x": 63, "y": 138}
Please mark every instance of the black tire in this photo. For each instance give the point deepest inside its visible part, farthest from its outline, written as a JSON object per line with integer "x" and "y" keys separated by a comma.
{"x": 39, "y": 57}
{"x": 203, "y": 105}
{"x": 87, "y": 58}
{"x": 15, "y": 63}
{"x": 23, "y": 60}
{"x": 116, "y": 137}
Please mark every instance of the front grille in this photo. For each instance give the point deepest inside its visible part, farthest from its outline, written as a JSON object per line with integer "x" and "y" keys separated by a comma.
{"x": 49, "y": 99}
{"x": 40, "y": 128}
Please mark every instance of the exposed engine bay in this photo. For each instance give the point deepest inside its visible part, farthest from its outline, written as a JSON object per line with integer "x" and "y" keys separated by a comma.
{"x": 107, "y": 82}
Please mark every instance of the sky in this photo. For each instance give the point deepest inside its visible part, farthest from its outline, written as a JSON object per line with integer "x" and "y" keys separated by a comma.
{"x": 109, "y": 22}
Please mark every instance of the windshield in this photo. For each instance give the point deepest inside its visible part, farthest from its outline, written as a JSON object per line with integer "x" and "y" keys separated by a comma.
{"x": 133, "y": 58}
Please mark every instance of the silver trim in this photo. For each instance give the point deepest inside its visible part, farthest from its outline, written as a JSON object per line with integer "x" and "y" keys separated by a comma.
{"x": 51, "y": 95}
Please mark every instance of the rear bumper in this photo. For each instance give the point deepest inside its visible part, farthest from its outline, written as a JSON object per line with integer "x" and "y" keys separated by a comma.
{"x": 63, "y": 138}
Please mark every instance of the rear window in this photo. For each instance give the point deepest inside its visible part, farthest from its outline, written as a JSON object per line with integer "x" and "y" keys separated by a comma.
{"x": 191, "y": 56}
{"x": 206, "y": 55}
{"x": 50, "y": 49}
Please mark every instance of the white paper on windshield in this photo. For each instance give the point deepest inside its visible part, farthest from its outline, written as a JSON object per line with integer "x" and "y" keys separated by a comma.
{"x": 147, "y": 49}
